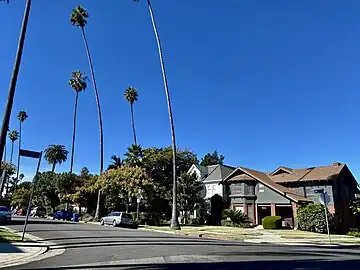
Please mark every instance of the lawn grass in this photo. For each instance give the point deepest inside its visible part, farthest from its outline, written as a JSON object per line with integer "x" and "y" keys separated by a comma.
{"x": 7, "y": 236}
{"x": 211, "y": 231}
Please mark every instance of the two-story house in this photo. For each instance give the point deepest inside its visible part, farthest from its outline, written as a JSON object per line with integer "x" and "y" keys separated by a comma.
{"x": 211, "y": 176}
{"x": 259, "y": 194}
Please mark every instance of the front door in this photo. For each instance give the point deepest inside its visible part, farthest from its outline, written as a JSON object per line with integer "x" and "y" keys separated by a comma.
{"x": 263, "y": 211}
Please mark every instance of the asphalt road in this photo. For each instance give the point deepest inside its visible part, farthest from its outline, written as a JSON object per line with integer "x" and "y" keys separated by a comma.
{"x": 94, "y": 247}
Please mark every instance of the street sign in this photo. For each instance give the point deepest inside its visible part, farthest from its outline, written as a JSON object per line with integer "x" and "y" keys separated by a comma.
{"x": 30, "y": 154}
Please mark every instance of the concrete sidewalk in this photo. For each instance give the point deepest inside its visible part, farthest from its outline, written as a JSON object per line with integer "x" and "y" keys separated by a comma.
{"x": 12, "y": 254}
{"x": 17, "y": 253}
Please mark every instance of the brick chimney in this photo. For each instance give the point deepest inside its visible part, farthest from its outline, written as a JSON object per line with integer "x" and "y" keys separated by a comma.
{"x": 336, "y": 164}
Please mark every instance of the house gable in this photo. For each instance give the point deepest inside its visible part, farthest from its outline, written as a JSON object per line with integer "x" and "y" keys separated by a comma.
{"x": 281, "y": 170}
{"x": 264, "y": 180}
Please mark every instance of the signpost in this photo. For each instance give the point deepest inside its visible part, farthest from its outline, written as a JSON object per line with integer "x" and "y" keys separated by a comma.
{"x": 30, "y": 154}
{"x": 138, "y": 200}
{"x": 324, "y": 200}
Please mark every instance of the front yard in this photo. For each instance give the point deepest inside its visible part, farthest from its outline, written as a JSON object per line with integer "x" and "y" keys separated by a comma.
{"x": 7, "y": 236}
{"x": 211, "y": 231}
{"x": 271, "y": 236}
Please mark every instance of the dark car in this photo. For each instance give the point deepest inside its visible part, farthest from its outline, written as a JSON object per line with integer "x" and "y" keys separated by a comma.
{"x": 5, "y": 214}
{"x": 62, "y": 214}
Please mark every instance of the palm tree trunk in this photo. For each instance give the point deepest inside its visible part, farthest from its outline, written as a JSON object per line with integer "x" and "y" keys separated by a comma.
{"x": 12, "y": 151}
{"x": 133, "y": 122}
{"x": 97, "y": 212}
{"x": 174, "y": 217}
{"x": 3, "y": 175}
{"x": 53, "y": 167}
{"x": 12, "y": 87}
{"x": 74, "y": 132}
{"x": 18, "y": 161}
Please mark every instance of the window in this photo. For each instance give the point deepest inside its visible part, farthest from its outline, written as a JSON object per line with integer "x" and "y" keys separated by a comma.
{"x": 125, "y": 215}
{"x": 4, "y": 209}
{"x": 213, "y": 189}
{"x": 261, "y": 187}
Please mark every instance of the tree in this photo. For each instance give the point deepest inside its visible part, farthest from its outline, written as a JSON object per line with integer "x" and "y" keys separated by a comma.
{"x": 9, "y": 171}
{"x": 134, "y": 155}
{"x": 21, "y": 196}
{"x": 22, "y": 116}
{"x": 212, "y": 159}
{"x": 116, "y": 162}
{"x": 124, "y": 182}
{"x": 14, "y": 182}
{"x": 78, "y": 83}
{"x": 79, "y": 18}
{"x": 14, "y": 76}
{"x": 174, "y": 224}
{"x": 56, "y": 154}
{"x": 46, "y": 190}
{"x": 13, "y": 136}
{"x": 131, "y": 95}
{"x": 84, "y": 192}
{"x": 189, "y": 193}
{"x": 158, "y": 164}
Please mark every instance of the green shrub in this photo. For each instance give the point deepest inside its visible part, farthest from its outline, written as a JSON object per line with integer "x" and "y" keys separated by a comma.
{"x": 312, "y": 218}
{"x": 236, "y": 216}
{"x": 226, "y": 223}
{"x": 271, "y": 222}
{"x": 152, "y": 219}
{"x": 354, "y": 233}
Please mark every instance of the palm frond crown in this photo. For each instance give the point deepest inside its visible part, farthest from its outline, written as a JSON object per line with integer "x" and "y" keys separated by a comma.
{"x": 78, "y": 81}
{"x": 79, "y": 16}
{"x": 22, "y": 116}
{"x": 14, "y": 135}
{"x": 131, "y": 95}
{"x": 56, "y": 153}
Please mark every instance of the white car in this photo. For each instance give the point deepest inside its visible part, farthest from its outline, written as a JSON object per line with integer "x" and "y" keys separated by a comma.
{"x": 38, "y": 212}
{"x": 117, "y": 219}
{"x": 5, "y": 214}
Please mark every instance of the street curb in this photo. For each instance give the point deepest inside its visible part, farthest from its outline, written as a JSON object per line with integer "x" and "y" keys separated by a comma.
{"x": 44, "y": 252}
{"x": 313, "y": 244}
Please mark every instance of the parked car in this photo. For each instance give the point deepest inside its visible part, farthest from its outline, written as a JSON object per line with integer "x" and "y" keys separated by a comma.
{"x": 5, "y": 214}
{"x": 21, "y": 212}
{"x": 62, "y": 214}
{"x": 117, "y": 219}
{"x": 38, "y": 212}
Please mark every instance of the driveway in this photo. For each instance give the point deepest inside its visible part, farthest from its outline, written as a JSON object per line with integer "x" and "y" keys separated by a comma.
{"x": 94, "y": 247}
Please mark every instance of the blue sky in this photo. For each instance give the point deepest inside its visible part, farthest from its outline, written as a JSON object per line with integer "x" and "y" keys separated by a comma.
{"x": 263, "y": 82}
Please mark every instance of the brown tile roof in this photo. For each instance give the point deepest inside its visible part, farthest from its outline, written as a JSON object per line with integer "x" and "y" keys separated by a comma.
{"x": 265, "y": 180}
{"x": 320, "y": 173}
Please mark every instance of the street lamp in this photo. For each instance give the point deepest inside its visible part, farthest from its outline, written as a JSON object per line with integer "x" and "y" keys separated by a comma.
{"x": 325, "y": 203}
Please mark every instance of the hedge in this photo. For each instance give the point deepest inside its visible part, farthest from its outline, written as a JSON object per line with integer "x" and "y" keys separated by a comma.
{"x": 312, "y": 218}
{"x": 271, "y": 222}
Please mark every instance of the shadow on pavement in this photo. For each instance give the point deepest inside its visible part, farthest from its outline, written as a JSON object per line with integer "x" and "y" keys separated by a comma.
{"x": 269, "y": 264}
{"x": 6, "y": 247}
{"x": 37, "y": 221}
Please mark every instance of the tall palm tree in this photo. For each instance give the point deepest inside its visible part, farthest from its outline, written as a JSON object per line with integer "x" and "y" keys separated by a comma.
{"x": 13, "y": 136}
{"x": 22, "y": 116}
{"x": 14, "y": 76}
{"x": 78, "y": 83}
{"x": 56, "y": 154}
{"x": 131, "y": 95}
{"x": 116, "y": 162}
{"x": 174, "y": 217}
{"x": 79, "y": 18}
